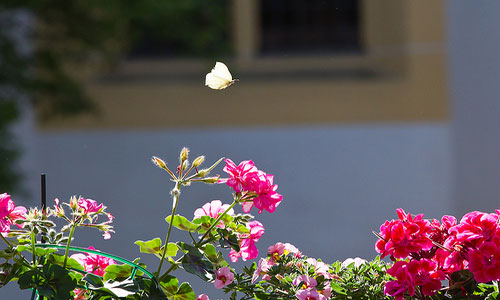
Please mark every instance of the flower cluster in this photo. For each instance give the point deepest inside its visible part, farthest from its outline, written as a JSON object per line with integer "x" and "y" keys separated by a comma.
{"x": 85, "y": 212}
{"x": 93, "y": 263}
{"x": 255, "y": 187}
{"x": 9, "y": 213}
{"x": 311, "y": 278}
{"x": 425, "y": 252}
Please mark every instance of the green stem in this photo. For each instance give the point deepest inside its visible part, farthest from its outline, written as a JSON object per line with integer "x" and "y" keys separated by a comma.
{"x": 174, "y": 208}
{"x": 33, "y": 242}
{"x": 66, "y": 252}
{"x": 216, "y": 222}
{"x": 172, "y": 267}
{"x": 6, "y": 241}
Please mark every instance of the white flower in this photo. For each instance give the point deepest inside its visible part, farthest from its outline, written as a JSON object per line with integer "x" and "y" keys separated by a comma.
{"x": 357, "y": 262}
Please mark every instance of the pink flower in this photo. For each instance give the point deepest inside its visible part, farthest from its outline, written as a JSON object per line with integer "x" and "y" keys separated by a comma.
{"x": 307, "y": 295}
{"x": 267, "y": 197}
{"x": 404, "y": 236}
{"x": 246, "y": 177}
{"x": 279, "y": 249}
{"x": 416, "y": 273}
{"x": 320, "y": 267}
{"x": 396, "y": 289}
{"x": 224, "y": 276}
{"x": 425, "y": 274}
{"x": 9, "y": 213}
{"x": 484, "y": 262}
{"x": 89, "y": 206}
{"x": 202, "y": 297}
{"x": 213, "y": 209}
{"x": 307, "y": 282}
{"x": 475, "y": 227}
{"x": 240, "y": 175}
{"x": 93, "y": 263}
{"x": 248, "y": 250}
{"x": 262, "y": 268}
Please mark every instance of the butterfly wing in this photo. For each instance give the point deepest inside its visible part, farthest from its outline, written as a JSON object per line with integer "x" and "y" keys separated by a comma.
{"x": 215, "y": 82}
{"x": 219, "y": 78}
{"x": 222, "y": 71}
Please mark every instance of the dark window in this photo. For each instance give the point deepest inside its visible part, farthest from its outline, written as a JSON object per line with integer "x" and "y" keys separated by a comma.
{"x": 179, "y": 28}
{"x": 309, "y": 26}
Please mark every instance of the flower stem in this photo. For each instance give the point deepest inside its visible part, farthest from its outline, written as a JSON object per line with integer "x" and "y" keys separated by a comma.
{"x": 33, "y": 242}
{"x": 66, "y": 252}
{"x": 6, "y": 241}
{"x": 175, "y": 197}
{"x": 216, "y": 222}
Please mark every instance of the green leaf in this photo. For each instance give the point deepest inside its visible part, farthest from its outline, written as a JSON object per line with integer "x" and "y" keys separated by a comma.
{"x": 185, "y": 292}
{"x": 182, "y": 223}
{"x": 152, "y": 246}
{"x": 210, "y": 252}
{"x": 171, "y": 250}
{"x": 70, "y": 263}
{"x": 117, "y": 272}
{"x": 170, "y": 284}
{"x": 94, "y": 281}
{"x": 194, "y": 263}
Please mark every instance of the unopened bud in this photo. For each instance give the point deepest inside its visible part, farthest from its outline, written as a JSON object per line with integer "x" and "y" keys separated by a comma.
{"x": 198, "y": 161}
{"x": 184, "y": 154}
{"x": 185, "y": 165}
{"x": 202, "y": 173}
{"x": 158, "y": 162}
{"x": 73, "y": 203}
{"x": 210, "y": 180}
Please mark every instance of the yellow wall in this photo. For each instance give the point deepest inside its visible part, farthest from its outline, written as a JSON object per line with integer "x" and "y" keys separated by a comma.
{"x": 403, "y": 78}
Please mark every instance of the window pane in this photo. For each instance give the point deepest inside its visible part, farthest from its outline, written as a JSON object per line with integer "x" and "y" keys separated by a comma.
{"x": 309, "y": 26}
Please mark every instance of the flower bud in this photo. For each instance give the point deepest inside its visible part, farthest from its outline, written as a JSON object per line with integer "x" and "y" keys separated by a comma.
{"x": 198, "y": 161}
{"x": 184, "y": 154}
{"x": 158, "y": 162}
{"x": 202, "y": 173}
{"x": 185, "y": 165}
{"x": 210, "y": 180}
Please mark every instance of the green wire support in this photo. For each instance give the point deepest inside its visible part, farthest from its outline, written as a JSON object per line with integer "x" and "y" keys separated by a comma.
{"x": 135, "y": 267}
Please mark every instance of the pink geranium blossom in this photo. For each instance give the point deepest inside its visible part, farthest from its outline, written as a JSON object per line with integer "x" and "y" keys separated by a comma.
{"x": 245, "y": 177}
{"x": 475, "y": 228}
{"x": 213, "y": 209}
{"x": 484, "y": 262}
{"x": 88, "y": 206}
{"x": 416, "y": 273}
{"x": 248, "y": 250}
{"x": 9, "y": 213}
{"x": 223, "y": 277}
{"x": 93, "y": 263}
{"x": 404, "y": 236}
{"x": 239, "y": 175}
{"x": 267, "y": 198}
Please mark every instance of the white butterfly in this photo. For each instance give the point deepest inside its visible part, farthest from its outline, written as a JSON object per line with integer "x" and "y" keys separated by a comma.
{"x": 220, "y": 77}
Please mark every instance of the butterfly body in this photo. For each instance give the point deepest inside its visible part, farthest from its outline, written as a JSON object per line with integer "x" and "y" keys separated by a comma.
{"x": 220, "y": 77}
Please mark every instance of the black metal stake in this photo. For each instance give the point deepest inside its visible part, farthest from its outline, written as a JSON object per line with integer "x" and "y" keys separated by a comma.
{"x": 44, "y": 199}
